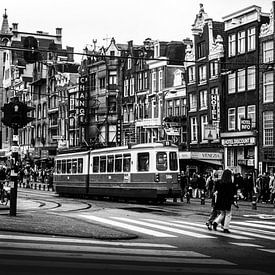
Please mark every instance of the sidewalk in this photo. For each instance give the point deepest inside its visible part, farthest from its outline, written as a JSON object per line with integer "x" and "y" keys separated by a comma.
{"x": 61, "y": 225}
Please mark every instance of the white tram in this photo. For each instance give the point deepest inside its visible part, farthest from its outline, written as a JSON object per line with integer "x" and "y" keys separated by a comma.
{"x": 144, "y": 171}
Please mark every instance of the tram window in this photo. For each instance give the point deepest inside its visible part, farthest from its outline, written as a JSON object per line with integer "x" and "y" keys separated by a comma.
{"x": 80, "y": 166}
{"x": 103, "y": 164}
{"x": 118, "y": 163}
{"x": 143, "y": 161}
{"x": 126, "y": 162}
{"x": 58, "y": 167}
{"x": 95, "y": 164}
{"x": 173, "y": 161}
{"x": 69, "y": 166}
{"x": 74, "y": 166}
{"x": 63, "y": 166}
{"x": 110, "y": 164}
{"x": 161, "y": 161}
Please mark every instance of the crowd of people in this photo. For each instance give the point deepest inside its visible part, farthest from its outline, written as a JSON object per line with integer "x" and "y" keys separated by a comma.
{"x": 225, "y": 190}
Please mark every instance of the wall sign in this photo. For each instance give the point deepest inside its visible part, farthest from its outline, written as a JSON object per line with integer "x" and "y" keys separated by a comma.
{"x": 82, "y": 103}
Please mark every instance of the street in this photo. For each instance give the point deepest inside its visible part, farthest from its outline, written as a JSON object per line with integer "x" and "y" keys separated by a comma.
{"x": 171, "y": 238}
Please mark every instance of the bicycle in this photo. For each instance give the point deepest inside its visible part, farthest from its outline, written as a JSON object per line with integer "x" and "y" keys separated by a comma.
{"x": 5, "y": 195}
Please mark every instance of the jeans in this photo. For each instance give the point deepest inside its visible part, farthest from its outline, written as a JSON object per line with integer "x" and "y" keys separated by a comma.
{"x": 226, "y": 215}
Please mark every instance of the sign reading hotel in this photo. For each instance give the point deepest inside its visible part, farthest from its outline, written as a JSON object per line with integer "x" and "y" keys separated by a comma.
{"x": 239, "y": 141}
{"x": 215, "y": 105}
{"x": 245, "y": 124}
{"x": 82, "y": 100}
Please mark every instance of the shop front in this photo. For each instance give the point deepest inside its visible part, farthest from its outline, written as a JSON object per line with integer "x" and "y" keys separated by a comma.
{"x": 200, "y": 162}
{"x": 240, "y": 152}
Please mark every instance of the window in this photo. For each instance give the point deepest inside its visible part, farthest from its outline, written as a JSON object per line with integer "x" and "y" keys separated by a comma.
{"x": 126, "y": 85}
{"x": 69, "y": 166}
{"x": 214, "y": 66}
{"x": 170, "y": 108}
{"x": 201, "y": 49}
{"x": 231, "y": 119}
{"x": 251, "y": 38}
{"x": 203, "y": 99}
{"x": 129, "y": 63}
{"x": 203, "y": 123}
{"x": 95, "y": 164}
{"x": 241, "y": 42}
{"x": 268, "y": 87}
{"x": 241, "y": 114}
{"x": 63, "y": 166}
{"x": 194, "y": 129}
{"x": 251, "y": 113}
{"x": 110, "y": 164}
{"x": 268, "y": 51}
{"x": 193, "y": 102}
{"x": 132, "y": 86}
{"x": 102, "y": 82}
{"x": 118, "y": 163}
{"x": 251, "y": 78}
{"x": 173, "y": 160}
{"x": 143, "y": 161}
{"x": 161, "y": 161}
{"x": 80, "y": 166}
{"x": 140, "y": 87}
{"x": 191, "y": 74}
{"x": 102, "y": 165}
{"x": 146, "y": 80}
{"x": 202, "y": 73}
{"x": 74, "y": 166}
{"x": 154, "y": 81}
{"x": 241, "y": 80}
{"x": 58, "y": 167}
{"x": 232, "y": 83}
{"x": 113, "y": 78}
{"x": 268, "y": 128}
{"x": 160, "y": 80}
{"x": 177, "y": 107}
{"x": 232, "y": 45}
{"x": 126, "y": 163}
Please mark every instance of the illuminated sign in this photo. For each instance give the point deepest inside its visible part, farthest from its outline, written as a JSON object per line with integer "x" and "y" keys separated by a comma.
{"x": 239, "y": 141}
{"x": 82, "y": 100}
{"x": 215, "y": 105}
{"x": 245, "y": 124}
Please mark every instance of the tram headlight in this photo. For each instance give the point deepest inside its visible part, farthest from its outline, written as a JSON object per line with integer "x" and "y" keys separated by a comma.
{"x": 157, "y": 177}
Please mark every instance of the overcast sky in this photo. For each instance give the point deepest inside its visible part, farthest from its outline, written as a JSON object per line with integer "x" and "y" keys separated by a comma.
{"x": 85, "y": 20}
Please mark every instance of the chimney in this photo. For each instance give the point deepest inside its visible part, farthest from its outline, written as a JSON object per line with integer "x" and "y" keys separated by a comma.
{"x": 15, "y": 27}
{"x": 58, "y": 31}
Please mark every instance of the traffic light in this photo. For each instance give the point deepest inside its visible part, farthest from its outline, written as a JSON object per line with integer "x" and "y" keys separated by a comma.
{"x": 7, "y": 110}
{"x": 31, "y": 53}
{"x": 16, "y": 114}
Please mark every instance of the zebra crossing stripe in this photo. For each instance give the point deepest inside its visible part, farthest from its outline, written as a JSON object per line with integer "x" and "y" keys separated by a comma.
{"x": 190, "y": 225}
{"x": 127, "y": 226}
{"x": 268, "y": 250}
{"x": 253, "y": 225}
{"x": 247, "y": 244}
{"x": 263, "y": 222}
{"x": 166, "y": 228}
{"x": 81, "y": 241}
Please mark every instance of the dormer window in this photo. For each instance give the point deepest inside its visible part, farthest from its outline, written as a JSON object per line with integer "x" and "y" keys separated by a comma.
{"x": 129, "y": 63}
{"x": 157, "y": 50}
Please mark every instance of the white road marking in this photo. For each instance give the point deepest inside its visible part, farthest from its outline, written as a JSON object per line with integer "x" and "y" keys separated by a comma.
{"x": 82, "y": 241}
{"x": 127, "y": 226}
{"x": 253, "y": 225}
{"x": 247, "y": 244}
{"x": 263, "y": 222}
{"x": 268, "y": 250}
{"x": 166, "y": 228}
{"x": 216, "y": 233}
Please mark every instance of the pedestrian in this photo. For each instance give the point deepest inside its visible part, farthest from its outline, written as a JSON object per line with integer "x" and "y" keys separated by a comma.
{"x": 194, "y": 185}
{"x": 183, "y": 184}
{"x": 201, "y": 185}
{"x": 210, "y": 186}
{"x": 214, "y": 211}
{"x": 226, "y": 190}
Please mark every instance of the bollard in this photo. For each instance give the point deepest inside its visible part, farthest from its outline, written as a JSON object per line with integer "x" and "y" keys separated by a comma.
{"x": 44, "y": 187}
{"x": 35, "y": 186}
{"x": 39, "y": 186}
{"x": 202, "y": 198}
{"x": 254, "y": 202}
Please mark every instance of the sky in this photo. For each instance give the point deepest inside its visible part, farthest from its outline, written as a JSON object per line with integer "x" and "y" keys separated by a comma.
{"x": 84, "y": 20}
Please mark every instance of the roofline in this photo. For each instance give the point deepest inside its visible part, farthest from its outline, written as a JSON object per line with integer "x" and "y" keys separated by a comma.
{"x": 239, "y": 12}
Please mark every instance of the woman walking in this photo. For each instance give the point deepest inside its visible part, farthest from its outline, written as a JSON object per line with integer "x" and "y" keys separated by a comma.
{"x": 225, "y": 198}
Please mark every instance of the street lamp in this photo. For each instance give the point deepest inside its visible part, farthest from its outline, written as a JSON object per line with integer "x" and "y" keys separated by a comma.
{"x": 162, "y": 116}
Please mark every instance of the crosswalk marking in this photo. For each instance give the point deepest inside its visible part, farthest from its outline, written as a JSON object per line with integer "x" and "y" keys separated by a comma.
{"x": 268, "y": 250}
{"x": 174, "y": 230}
{"x": 247, "y": 244}
{"x": 82, "y": 241}
{"x": 262, "y": 222}
{"x": 127, "y": 226}
{"x": 216, "y": 233}
{"x": 253, "y": 225}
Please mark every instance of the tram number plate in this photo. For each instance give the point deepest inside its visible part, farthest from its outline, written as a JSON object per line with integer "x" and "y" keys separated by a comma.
{"x": 169, "y": 177}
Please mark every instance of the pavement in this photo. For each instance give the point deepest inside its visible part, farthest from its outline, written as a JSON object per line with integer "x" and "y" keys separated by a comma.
{"x": 27, "y": 220}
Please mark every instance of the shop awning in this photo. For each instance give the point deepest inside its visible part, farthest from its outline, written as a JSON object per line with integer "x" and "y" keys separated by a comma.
{"x": 211, "y": 161}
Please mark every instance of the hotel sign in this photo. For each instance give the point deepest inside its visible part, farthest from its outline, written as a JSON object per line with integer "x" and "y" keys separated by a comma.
{"x": 215, "y": 105}
{"x": 239, "y": 141}
{"x": 82, "y": 103}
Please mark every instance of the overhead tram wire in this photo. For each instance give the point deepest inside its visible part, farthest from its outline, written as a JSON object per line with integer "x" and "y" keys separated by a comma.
{"x": 201, "y": 62}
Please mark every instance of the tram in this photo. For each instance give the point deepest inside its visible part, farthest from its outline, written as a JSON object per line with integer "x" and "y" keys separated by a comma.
{"x": 144, "y": 171}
